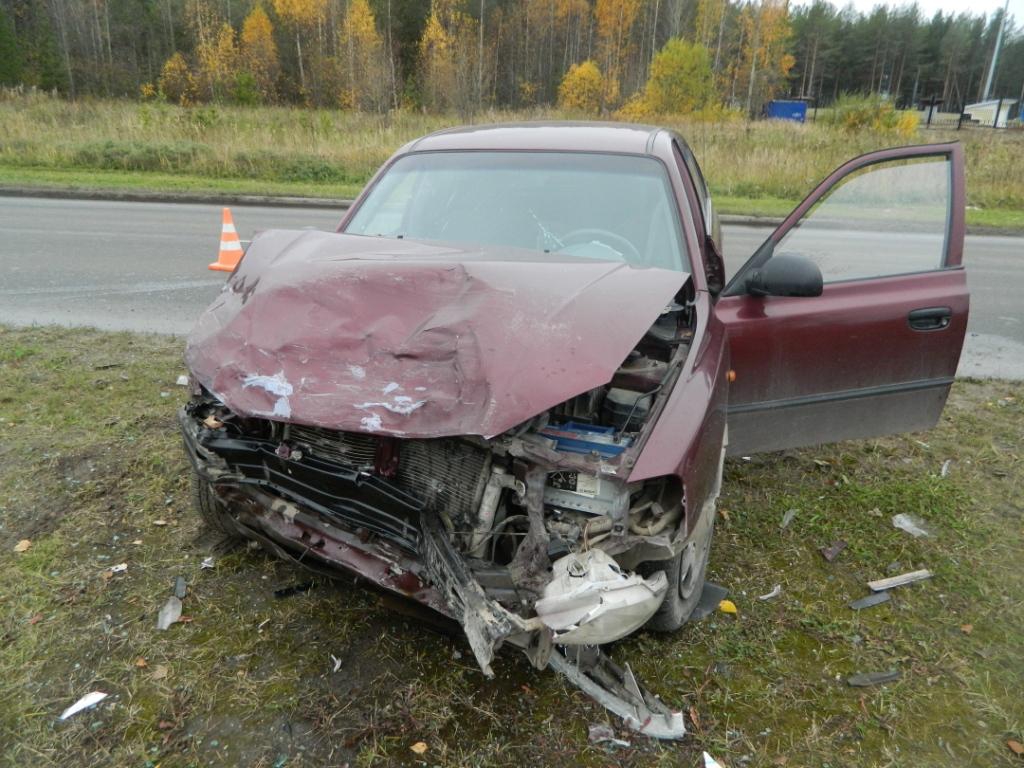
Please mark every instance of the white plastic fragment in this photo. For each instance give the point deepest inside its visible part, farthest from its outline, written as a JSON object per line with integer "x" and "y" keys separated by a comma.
{"x": 207, "y": 564}
{"x": 169, "y": 614}
{"x": 787, "y": 518}
{"x": 119, "y": 568}
{"x": 776, "y": 591}
{"x": 913, "y": 525}
{"x": 945, "y": 468}
{"x": 89, "y": 700}
{"x": 603, "y": 734}
{"x": 182, "y": 381}
{"x": 881, "y": 585}
{"x": 336, "y": 661}
{"x": 710, "y": 762}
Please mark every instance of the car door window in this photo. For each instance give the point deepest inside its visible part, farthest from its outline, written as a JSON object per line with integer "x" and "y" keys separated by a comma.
{"x": 890, "y": 218}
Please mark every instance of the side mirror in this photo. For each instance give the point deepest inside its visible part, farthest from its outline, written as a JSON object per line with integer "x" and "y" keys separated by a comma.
{"x": 787, "y": 274}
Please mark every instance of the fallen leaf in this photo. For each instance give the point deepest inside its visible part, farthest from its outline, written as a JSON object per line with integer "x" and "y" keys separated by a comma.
{"x": 185, "y": 619}
{"x": 36, "y": 619}
{"x": 165, "y": 725}
{"x": 23, "y": 545}
{"x": 137, "y": 542}
{"x": 1015, "y": 746}
{"x": 141, "y": 663}
{"x": 695, "y": 718}
{"x": 967, "y": 628}
{"x": 724, "y": 513}
{"x": 159, "y": 672}
{"x": 727, "y": 606}
{"x": 419, "y": 747}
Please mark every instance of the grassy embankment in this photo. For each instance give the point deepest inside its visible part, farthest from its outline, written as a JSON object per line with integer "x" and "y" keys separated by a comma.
{"x": 92, "y": 473}
{"x": 756, "y": 168}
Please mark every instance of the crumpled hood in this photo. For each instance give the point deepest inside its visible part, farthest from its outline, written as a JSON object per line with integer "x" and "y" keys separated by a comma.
{"x": 417, "y": 339}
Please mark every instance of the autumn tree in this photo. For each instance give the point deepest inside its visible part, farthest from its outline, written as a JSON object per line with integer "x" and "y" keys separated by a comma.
{"x": 366, "y": 63}
{"x": 764, "y": 57}
{"x": 680, "y": 79}
{"x": 258, "y": 51}
{"x": 448, "y": 58}
{"x": 218, "y": 64}
{"x": 614, "y": 21}
{"x": 582, "y": 88}
{"x": 302, "y": 16}
{"x": 176, "y": 82}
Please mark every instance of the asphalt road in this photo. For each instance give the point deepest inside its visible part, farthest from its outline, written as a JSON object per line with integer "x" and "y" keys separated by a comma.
{"x": 142, "y": 267}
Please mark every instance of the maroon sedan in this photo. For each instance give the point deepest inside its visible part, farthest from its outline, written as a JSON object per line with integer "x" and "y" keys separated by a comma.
{"x": 505, "y": 387}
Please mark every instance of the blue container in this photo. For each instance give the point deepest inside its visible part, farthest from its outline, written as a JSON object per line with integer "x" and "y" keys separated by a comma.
{"x": 781, "y": 109}
{"x": 586, "y": 438}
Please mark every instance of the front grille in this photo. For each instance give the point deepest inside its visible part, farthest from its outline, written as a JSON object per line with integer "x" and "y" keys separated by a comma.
{"x": 445, "y": 473}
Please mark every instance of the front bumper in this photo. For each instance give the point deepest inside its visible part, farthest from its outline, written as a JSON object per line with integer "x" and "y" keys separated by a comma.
{"x": 325, "y": 517}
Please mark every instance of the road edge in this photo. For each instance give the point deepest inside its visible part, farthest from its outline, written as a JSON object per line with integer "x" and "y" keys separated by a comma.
{"x": 287, "y": 201}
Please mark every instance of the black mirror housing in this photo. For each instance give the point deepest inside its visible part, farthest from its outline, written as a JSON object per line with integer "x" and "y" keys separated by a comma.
{"x": 787, "y": 274}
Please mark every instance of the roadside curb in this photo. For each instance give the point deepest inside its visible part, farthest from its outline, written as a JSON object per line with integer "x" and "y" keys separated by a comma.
{"x": 144, "y": 196}
{"x": 285, "y": 201}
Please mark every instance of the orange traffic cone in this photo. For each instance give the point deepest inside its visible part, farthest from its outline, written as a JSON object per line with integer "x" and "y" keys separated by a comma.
{"x": 230, "y": 246}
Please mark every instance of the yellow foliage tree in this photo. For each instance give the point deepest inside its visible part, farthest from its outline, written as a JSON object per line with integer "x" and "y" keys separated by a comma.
{"x": 766, "y": 31}
{"x": 176, "y": 82}
{"x": 448, "y": 58}
{"x": 301, "y": 15}
{"x": 218, "y": 64}
{"x": 614, "y": 20}
{"x": 582, "y": 88}
{"x": 366, "y": 79}
{"x": 259, "y": 51}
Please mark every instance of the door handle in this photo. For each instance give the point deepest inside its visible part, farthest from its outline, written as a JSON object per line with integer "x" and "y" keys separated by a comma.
{"x": 930, "y": 318}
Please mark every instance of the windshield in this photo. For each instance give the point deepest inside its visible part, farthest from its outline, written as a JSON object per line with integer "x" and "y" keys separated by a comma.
{"x": 610, "y": 207}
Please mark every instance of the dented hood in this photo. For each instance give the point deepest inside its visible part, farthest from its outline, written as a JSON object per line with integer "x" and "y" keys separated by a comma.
{"x": 417, "y": 339}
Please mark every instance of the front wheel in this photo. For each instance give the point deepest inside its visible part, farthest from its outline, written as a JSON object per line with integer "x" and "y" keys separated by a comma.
{"x": 685, "y": 575}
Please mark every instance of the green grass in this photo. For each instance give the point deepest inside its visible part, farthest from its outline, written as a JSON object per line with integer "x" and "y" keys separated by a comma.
{"x": 751, "y": 166}
{"x": 148, "y": 181}
{"x": 90, "y": 462}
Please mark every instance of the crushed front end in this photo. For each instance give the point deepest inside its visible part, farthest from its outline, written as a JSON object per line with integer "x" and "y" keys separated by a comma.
{"x": 348, "y": 456}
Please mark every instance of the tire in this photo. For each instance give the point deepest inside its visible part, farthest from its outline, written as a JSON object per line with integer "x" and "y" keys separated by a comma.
{"x": 211, "y": 510}
{"x": 685, "y": 575}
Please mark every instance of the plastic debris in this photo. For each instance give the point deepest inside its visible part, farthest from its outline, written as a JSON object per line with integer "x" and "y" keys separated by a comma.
{"x": 776, "y": 591}
{"x": 119, "y": 568}
{"x": 180, "y": 587}
{"x": 169, "y": 614}
{"x": 160, "y": 523}
{"x": 880, "y": 585}
{"x": 945, "y": 468}
{"x": 868, "y": 601}
{"x": 599, "y": 733}
{"x": 727, "y": 606}
{"x": 420, "y": 747}
{"x": 336, "y": 661}
{"x": 873, "y": 678}
{"x": 182, "y": 381}
{"x": 23, "y": 546}
{"x": 787, "y": 518}
{"x": 207, "y": 564}
{"x": 913, "y": 525}
{"x": 710, "y": 762}
{"x": 832, "y": 551}
{"x": 89, "y": 700}
{"x": 710, "y": 597}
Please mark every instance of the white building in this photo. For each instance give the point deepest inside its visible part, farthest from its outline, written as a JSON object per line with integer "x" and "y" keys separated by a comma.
{"x": 984, "y": 112}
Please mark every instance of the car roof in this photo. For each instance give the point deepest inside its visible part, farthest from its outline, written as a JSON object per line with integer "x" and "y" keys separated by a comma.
{"x": 565, "y": 136}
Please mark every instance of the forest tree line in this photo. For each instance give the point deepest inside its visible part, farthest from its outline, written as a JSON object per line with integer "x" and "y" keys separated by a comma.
{"x": 464, "y": 55}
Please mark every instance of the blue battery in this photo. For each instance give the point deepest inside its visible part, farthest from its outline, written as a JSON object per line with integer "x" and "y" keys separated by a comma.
{"x": 586, "y": 438}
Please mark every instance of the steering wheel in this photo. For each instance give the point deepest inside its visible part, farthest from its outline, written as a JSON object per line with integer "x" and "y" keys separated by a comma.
{"x": 587, "y": 234}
